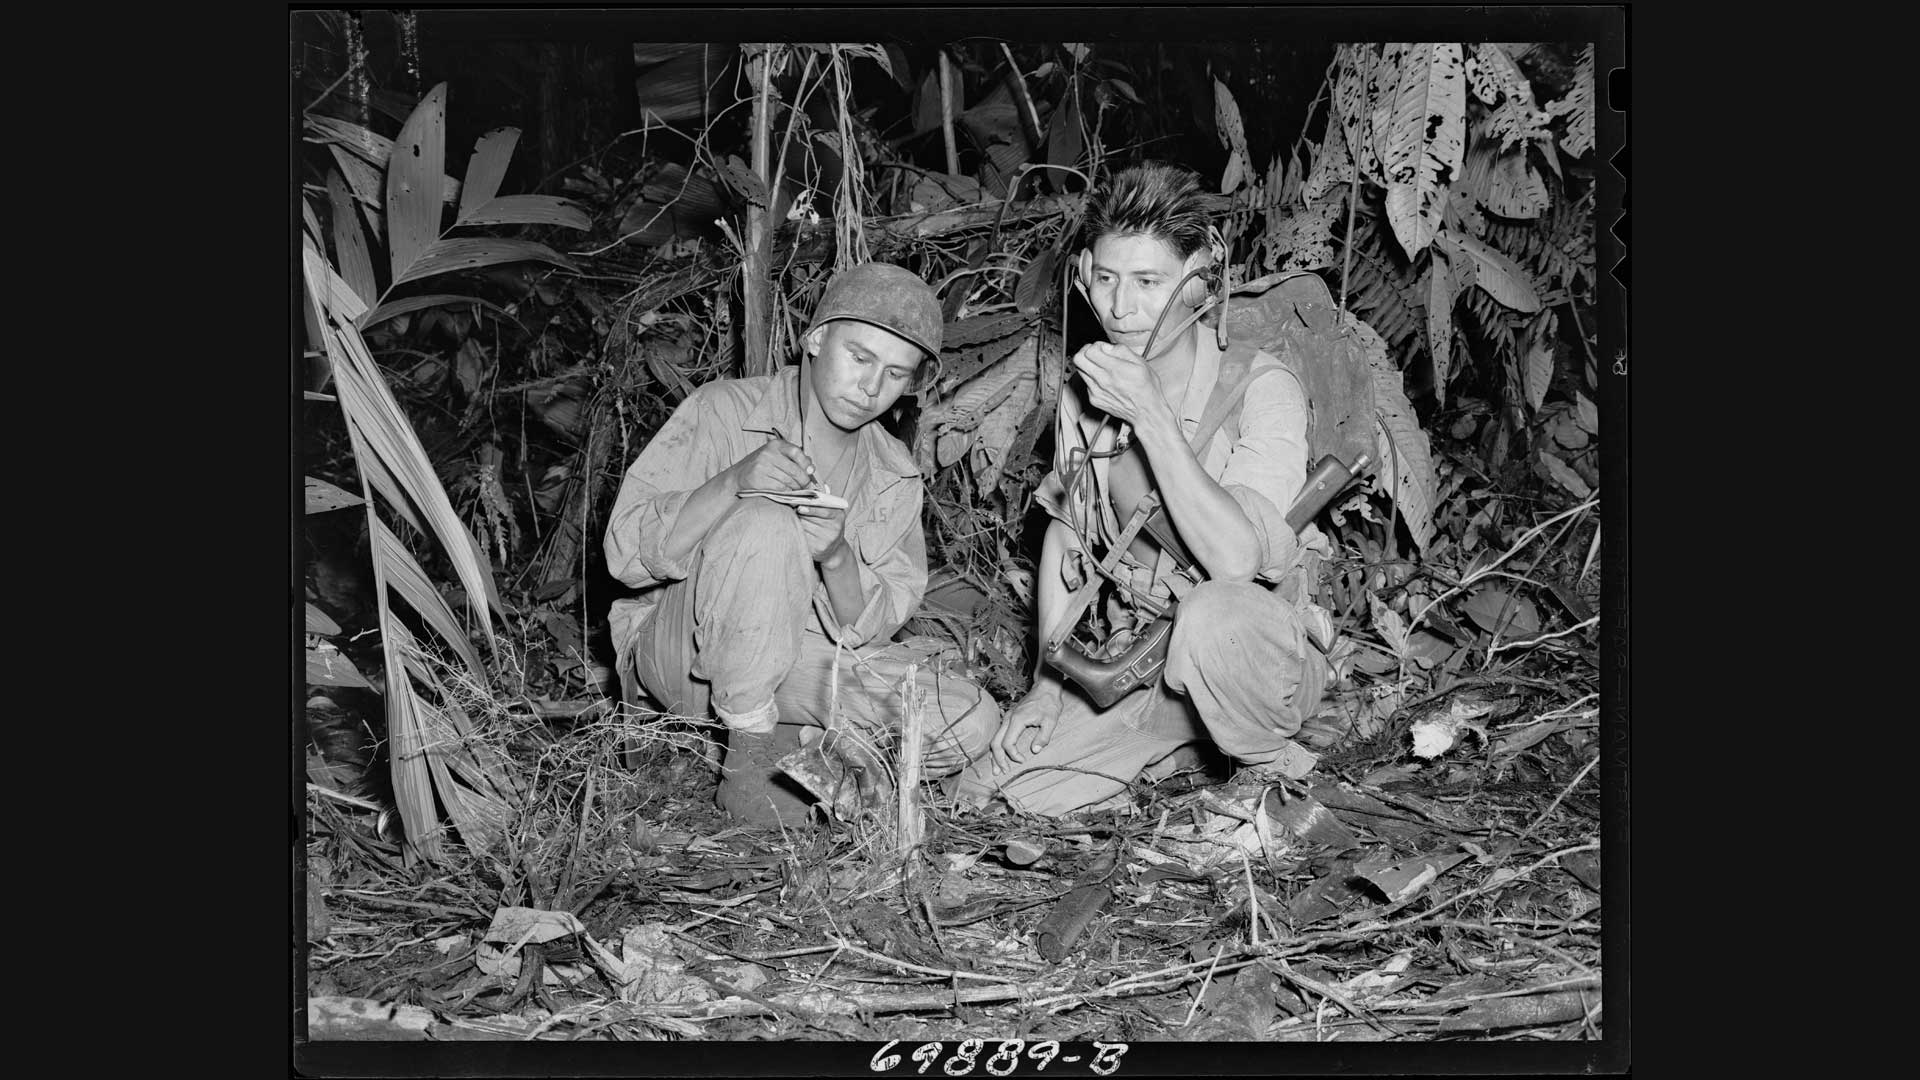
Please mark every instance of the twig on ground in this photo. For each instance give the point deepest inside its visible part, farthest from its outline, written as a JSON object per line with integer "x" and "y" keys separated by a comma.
{"x": 1557, "y": 799}
{"x": 1204, "y": 983}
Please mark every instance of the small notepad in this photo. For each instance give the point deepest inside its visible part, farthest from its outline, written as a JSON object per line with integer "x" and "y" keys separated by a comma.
{"x": 798, "y": 498}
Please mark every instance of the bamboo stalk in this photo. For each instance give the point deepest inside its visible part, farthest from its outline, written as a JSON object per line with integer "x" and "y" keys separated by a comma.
{"x": 910, "y": 828}
{"x": 946, "y": 112}
{"x": 754, "y": 270}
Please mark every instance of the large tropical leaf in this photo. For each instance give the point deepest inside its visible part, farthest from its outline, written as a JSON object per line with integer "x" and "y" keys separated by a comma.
{"x": 527, "y": 210}
{"x": 993, "y": 441}
{"x": 349, "y": 243}
{"x": 371, "y": 409}
{"x": 408, "y": 304}
{"x": 328, "y": 666}
{"x": 1403, "y": 456}
{"x": 1493, "y": 75}
{"x": 374, "y": 149}
{"x": 413, "y": 189}
{"x": 486, "y": 169}
{"x": 1233, "y": 136}
{"x": 365, "y": 180}
{"x": 1440, "y": 322}
{"x": 412, "y": 775}
{"x": 1036, "y": 282}
{"x": 1537, "y": 365}
{"x": 1426, "y": 141}
{"x": 1501, "y": 277}
{"x": 1354, "y": 99}
{"x": 403, "y": 573}
{"x": 446, "y": 256}
{"x": 1383, "y": 91}
{"x": 322, "y": 497}
{"x": 677, "y": 79}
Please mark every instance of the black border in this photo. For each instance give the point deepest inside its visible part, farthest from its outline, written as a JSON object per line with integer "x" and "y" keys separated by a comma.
{"x": 1608, "y": 25}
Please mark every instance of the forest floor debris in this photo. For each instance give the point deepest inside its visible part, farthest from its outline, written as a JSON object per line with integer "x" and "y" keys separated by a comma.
{"x": 1390, "y": 896}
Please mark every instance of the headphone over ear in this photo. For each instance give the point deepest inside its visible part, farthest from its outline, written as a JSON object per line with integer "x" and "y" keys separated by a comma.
{"x": 1197, "y": 287}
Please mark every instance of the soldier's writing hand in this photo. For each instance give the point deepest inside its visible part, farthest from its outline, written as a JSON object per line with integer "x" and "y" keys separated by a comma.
{"x": 778, "y": 466}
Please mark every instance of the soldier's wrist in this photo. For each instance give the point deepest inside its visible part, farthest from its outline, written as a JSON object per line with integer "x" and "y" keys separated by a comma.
{"x": 836, "y": 555}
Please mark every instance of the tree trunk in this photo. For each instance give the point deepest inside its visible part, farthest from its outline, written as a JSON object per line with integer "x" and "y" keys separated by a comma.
{"x": 759, "y": 241}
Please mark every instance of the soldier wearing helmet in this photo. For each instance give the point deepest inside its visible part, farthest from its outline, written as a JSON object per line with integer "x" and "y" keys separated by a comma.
{"x": 767, "y": 614}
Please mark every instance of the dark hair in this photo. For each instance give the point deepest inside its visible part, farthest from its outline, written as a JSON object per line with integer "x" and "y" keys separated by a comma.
{"x": 1154, "y": 199}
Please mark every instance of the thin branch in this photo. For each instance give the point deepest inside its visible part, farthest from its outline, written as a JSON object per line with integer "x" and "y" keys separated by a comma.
{"x": 1524, "y": 540}
{"x": 1020, "y": 87}
{"x": 946, "y": 111}
{"x": 1555, "y": 804}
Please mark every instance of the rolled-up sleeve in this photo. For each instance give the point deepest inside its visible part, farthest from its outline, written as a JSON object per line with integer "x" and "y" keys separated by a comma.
{"x": 1268, "y": 465}
{"x": 679, "y": 458}
{"x": 890, "y": 554}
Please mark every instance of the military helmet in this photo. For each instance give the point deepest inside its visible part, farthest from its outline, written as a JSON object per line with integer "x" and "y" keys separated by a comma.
{"x": 890, "y": 297}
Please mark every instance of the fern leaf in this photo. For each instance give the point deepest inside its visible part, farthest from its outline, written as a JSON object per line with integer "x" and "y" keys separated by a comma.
{"x": 1514, "y": 190}
{"x": 1426, "y": 142}
{"x": 1403, "y": 455}
{"x": 1577, "y": 107}
{"x": 1332, "y": 165}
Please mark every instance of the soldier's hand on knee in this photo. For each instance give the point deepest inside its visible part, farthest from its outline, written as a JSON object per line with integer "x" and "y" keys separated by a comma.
{"x": 777, "y": 466}
{"x": 1027, "y": 728}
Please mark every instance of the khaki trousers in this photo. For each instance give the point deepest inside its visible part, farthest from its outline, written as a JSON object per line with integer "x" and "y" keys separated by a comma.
{"x": 740, "y": 628}
{"x": 1240, "y": 671}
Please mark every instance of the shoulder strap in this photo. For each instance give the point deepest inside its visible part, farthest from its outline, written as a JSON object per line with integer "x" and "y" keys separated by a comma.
{"x": 1229, "y": 389}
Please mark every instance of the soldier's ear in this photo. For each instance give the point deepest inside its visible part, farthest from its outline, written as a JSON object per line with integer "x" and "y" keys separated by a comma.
{"x": 811, "y": 340}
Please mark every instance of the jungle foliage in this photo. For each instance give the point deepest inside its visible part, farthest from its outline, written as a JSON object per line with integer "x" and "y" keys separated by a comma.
{"x": 482, "y": 366}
